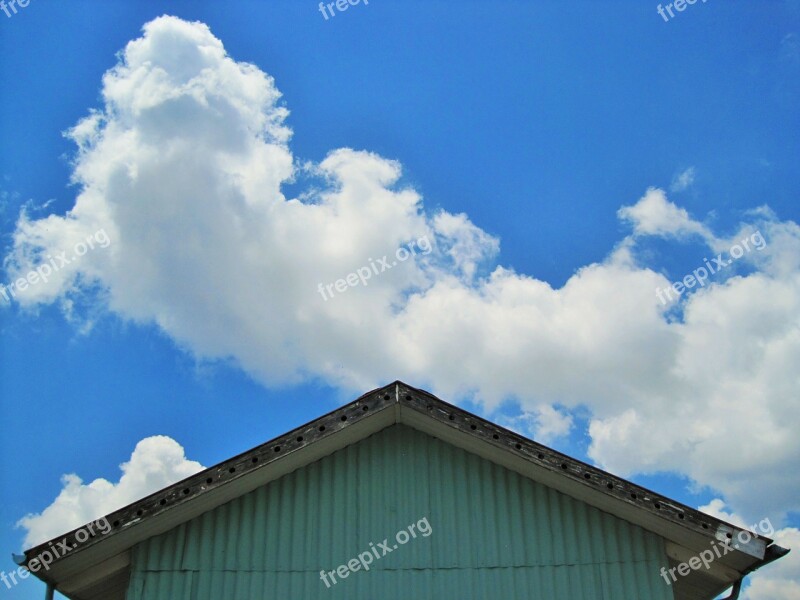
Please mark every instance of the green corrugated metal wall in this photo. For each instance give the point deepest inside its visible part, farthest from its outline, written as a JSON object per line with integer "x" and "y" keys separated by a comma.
{"x": 494, "y": 534}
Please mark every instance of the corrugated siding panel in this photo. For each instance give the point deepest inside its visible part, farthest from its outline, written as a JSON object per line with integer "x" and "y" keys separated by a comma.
{"x": 495, "y": 534}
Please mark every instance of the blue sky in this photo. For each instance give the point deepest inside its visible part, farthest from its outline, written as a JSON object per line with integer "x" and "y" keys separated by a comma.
{"x": 509, "y": 134}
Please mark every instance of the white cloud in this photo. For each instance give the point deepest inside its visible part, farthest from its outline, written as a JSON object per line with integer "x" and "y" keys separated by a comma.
{"x": 156, "y": 462}
{"x": 467, "y": 245}
{"x": 779, "y": 580}
{"x": 683, "y": 180}
{"x": 183, "y": 168}
{"x": 544, "y": 423}
{"x": 657, "y": 216}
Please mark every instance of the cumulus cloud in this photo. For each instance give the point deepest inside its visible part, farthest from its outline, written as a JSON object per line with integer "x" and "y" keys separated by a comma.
{"x": 156, "y": 462}
{"x": 655, "y": 215}
{"x": 467, "y": 245}
{"x": 184, "y": 167}
{"x": 779, "y": 580}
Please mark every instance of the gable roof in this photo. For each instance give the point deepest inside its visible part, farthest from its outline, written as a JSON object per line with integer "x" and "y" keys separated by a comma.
{"x": 99, "y": 567}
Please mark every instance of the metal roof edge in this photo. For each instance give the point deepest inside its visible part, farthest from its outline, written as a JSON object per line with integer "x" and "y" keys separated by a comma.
{"x": 628, "y": 493}
{"x": 371, "y": 412}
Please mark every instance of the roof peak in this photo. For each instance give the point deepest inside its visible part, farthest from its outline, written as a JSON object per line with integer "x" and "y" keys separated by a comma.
{"x": 399, "y": 403}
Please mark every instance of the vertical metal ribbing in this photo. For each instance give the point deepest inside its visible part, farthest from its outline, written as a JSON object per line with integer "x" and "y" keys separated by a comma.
{"x": 494, "y": 534}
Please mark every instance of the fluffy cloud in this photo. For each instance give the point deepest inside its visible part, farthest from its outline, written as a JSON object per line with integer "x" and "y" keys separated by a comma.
{"x": 657, "y": 216}
{"x": 156, "y": 462}
{"x": 544, "y": 423}
{"x": 183, "y": 167}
